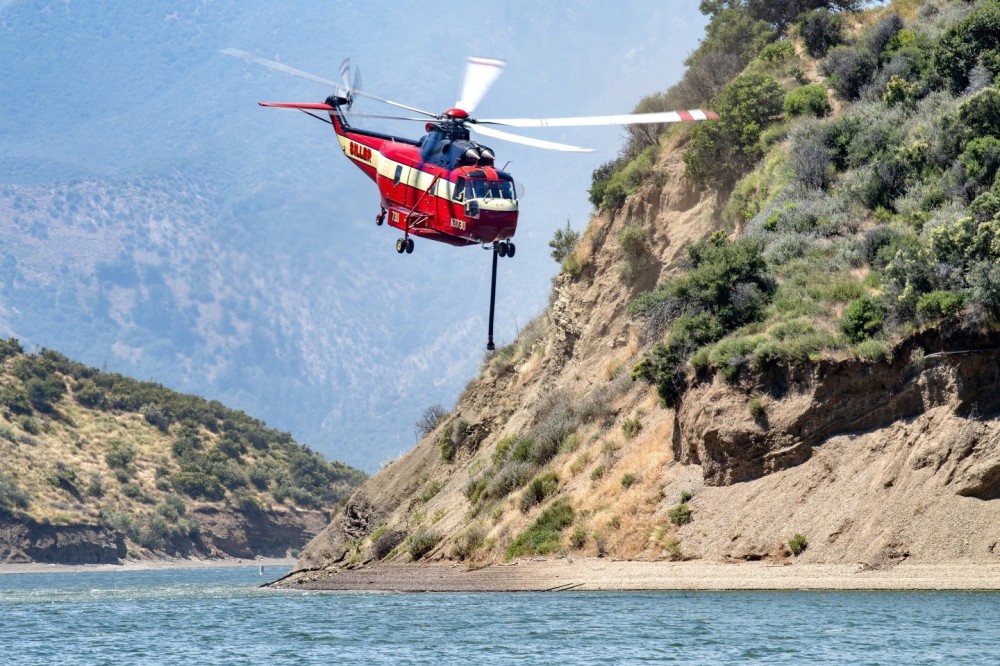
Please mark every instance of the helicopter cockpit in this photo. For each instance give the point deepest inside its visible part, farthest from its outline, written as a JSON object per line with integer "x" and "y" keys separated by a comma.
{"x": 485, "y": 189}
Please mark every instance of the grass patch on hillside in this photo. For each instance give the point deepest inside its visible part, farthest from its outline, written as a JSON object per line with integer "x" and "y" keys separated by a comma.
{"x": 544, "y": 535}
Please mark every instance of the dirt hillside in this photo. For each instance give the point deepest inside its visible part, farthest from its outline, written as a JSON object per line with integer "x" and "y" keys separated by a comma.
{"x": 851, "y": 461}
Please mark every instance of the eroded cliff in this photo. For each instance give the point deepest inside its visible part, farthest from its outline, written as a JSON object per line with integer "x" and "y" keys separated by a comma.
{"x": 868, "y": 461}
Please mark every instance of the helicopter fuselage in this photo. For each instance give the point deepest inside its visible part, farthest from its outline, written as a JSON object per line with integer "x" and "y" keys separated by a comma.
{"x": 443, "y": 187}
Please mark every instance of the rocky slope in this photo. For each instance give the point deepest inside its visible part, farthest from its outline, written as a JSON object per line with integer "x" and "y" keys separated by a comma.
{"x": 553, "y": 449}
{"x": 870, "y": 462}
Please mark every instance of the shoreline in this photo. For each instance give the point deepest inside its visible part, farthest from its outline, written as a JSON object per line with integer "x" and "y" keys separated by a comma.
{"x": 144, "y": 565}
{"x": 606, "y": 575}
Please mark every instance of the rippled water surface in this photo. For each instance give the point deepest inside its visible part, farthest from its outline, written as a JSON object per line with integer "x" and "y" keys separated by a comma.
{"x": 220, "y": 616}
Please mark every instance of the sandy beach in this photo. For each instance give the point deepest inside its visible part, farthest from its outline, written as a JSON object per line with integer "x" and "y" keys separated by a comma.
{"x": 586, "y": 574}
{"x": 601, "y": 574}
{"x": 145, "y": 565}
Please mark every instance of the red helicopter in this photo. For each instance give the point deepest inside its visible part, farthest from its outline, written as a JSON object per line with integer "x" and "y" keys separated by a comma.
{"x": 444, "y": 186}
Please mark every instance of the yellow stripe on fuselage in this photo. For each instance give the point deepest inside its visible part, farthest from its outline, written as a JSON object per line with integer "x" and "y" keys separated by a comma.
{"x": 411, "y": 176}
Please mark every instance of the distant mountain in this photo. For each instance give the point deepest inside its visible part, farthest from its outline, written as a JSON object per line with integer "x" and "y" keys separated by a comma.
{"x": 156, "y": 222}
{"x": 98, "y": 467}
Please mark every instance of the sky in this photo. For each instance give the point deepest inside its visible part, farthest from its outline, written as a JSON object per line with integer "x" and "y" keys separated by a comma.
{"x": 317, "y": 326}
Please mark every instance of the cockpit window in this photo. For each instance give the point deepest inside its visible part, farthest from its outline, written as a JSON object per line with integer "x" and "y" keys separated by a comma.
{"x": 479, "y": 188}
{"x": 459, "y": 189}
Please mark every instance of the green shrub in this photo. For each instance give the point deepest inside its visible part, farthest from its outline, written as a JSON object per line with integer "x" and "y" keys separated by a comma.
{"x": 475, "y": 489}
{"x": 285, "y": 494}
{"x": 965, "y": 42}
{"x": 985, "y": 207}
{"x": 538, "y": 490}
{"x": 171, "y": 508}
{"x": 578, "y": 539}
{"x": 563, "y": 242}
{"x": 247, "y": 501}
{"x": 731, "y": 354}
{"x": 43, "y": 392}
{"x": 629, "y": 479}
{"x": 862, "y": 319}
{"x": 155, "y": 416}
{"x": 88, "y": 394}
{"x": 10, "y": 347}
{"x": 11, "y": 494}
{"x": 571, "y": 266}
{"x": 877, "y": 351}
{"x": 260, "y": 476}
{"x": 228, "y": 445}
{"x": 451, "y": 438}
{"x": 936, "y": 304}
{"x": 503, "y": 448}
{"x": 15, "y": 398}
{"x": 680, "y": 514}
{"x": 422, "y": 543}
{"x": 756, "y": 407}
{"x": 447, "y": 450}
{"x": 981, "y": 159}
{"x": 597, "y": 472}
{"x": 119, "y": 454}
{"x": 686, "y": 496}
{"x": 634, "y": 242}
{"x": 797, "y": 544}
{"x": 432, "y": 488}
{"x": 198, "y": 484}
{"x": 30, "y": 425}
{"x": 631, "y": 428}
{"x": 544, "y": 534}
{"x": 820, "y": 30}
{"x": 95, "y": 487}
{"x": 132, "y": 490}
{"x": 777, "y": 52}
{"x": 900, "y": 92}
{"x": 848, "y": 69}
{"x": 64, "y": 475}
{"x": 467, "y": 542}
{"x": 722, "y": 151}
{"x": 728, "y": 286}
{"x": 155, "y": 535}
{"x": 808, "y": 100}
{"x": 601, "y": 179}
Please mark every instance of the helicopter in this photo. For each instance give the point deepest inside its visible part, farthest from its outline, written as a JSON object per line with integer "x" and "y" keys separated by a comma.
{"x": 444, "y": 186}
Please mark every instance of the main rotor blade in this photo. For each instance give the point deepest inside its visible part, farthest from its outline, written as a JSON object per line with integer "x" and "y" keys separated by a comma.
{"x": 528, "y": 141}
{"x": 338, "y": 88}
{"x": 396, "y": 104}
{"x": 623, "y": 119}
{"x": 480, "y": 73}
{"x": 314, "y": 106}
{"x": 277, "y": 66}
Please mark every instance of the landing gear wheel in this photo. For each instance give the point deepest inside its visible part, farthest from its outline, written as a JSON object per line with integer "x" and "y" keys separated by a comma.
{"x": 400, "y": 245}
{"x": 409, "y": 245}
{"x": 379, "y": 219}
{"x": 510, "y": 249}
{"x": 502, "y": 249}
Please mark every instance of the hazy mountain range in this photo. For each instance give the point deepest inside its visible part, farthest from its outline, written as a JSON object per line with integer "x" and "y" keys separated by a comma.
{"x": 156, "y": 222}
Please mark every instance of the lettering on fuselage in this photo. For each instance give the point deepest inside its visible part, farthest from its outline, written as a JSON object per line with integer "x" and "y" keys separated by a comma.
{"x": 458, "y": 224}
{"x": 363, "y": 153}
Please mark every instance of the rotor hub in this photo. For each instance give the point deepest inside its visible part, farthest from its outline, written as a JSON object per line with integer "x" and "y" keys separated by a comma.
{"x": 456, "y": 114}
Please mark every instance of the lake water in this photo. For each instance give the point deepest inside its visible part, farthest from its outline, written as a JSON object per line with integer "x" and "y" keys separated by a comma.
{"x": 220, "y": 616}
